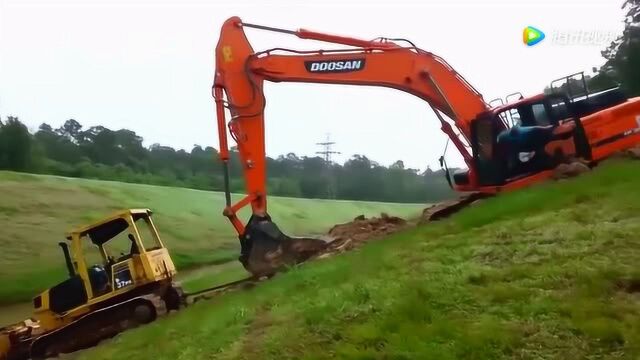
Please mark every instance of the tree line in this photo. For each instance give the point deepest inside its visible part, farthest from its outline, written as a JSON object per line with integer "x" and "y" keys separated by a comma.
{"x": 622, "y": 65}
{"x": 622, "y": 56}
{"x": 101, "y": 153}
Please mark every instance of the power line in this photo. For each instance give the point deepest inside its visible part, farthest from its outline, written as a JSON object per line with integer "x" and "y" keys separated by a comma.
{"x": 327, "y": 149}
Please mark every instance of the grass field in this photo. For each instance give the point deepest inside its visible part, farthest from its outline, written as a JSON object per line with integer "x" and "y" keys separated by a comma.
{"x": 550, "y": 272}
{"x": 35, "y": 212}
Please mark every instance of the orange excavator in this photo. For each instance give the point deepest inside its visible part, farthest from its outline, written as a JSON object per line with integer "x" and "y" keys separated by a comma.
{"x": 505, "y": 147}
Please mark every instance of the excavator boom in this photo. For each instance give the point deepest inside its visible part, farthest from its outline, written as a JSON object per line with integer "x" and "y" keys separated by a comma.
{"x": 551, "y": 128}
{"x": 238, "y": 87}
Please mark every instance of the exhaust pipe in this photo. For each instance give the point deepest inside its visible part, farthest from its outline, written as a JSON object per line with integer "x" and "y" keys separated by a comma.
{"x": 67, "y": 258}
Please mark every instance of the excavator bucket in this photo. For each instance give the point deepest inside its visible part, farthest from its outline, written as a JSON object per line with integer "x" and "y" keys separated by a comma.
{"x": 265, "y": 249}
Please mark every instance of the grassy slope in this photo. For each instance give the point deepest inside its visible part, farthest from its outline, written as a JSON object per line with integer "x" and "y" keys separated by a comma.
{"x": 549, "y": 272}
{"x": 35, "y": 211}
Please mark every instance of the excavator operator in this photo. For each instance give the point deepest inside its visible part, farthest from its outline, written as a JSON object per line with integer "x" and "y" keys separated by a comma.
{"x": 524, "y": 146}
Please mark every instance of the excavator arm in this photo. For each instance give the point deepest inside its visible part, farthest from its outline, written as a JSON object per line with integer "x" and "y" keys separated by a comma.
{"x": 238, "y": 87}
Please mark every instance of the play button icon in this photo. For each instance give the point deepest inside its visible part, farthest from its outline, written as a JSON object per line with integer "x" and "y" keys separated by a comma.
{"x": 532, "y": 36}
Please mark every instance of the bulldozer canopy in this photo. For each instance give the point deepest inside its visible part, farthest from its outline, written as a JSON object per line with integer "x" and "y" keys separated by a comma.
{"x": 107, "y": 231}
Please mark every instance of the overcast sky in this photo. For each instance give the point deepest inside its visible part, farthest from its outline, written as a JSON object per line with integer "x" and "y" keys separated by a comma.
{"x": 148, "y": 65}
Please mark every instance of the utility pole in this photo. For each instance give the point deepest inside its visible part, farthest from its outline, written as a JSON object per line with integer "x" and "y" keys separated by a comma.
{"x": 326, "y": 153}
{"x": 326, "y": 149}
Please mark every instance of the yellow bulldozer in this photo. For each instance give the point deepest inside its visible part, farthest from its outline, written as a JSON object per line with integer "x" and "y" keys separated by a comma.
{"x": 123, "y": 289}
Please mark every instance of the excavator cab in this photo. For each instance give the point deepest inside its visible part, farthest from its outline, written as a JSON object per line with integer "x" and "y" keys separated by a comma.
{"x": 522, "y": 138}
{"x": 552, "y": 123}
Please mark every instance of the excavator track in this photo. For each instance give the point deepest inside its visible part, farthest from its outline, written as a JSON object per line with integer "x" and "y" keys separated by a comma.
{"x": 447, "y": 208}
{"x": 102, "y": 324}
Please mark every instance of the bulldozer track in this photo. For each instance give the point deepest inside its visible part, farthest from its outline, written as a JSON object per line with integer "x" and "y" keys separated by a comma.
{"x": 105, "y": 323}
{"x": 99, "y": 325}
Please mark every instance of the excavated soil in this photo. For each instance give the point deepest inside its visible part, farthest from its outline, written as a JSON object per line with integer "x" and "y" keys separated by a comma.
{"x": 573, "y": 169}
{"x": 565, "y": 171}
{"x": 362, "y": 229}
{"x": 352, "y": 234}
{"x": 633, "y": 153}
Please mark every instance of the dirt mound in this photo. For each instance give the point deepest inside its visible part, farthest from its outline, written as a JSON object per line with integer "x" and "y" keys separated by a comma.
{"x": 565, "y": 171}
{"x": 354, "y": 233}
{"x": 347, "y": 236}
{"x": 633, "y": 153}
{"x": 362, "y": 229}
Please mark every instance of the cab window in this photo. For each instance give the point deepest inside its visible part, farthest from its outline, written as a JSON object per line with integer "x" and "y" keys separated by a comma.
{"x": 122, "y": 246}
{"x": 148, "y": 236}
{"x": 560, "y": 108}
{"x": 540, "y": 114}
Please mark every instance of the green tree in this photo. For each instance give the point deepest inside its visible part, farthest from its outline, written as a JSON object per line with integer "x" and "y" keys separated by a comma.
{"x": 15, "y": 145}
{"x": 360, "y": 180}
{"x": 602, "y": 80}
{"x": 623, "y": 55}
{"x": 71, "y": 130}
{"x": 57, "y": 147}
{"x": 99, "y": 144}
